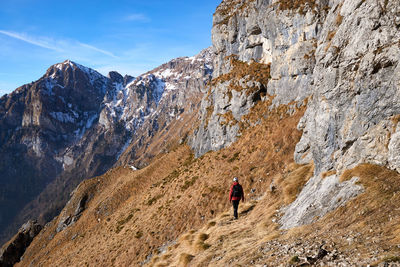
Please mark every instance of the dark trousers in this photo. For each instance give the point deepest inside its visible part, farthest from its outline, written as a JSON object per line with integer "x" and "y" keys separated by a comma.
{"x": 235, "y": 204}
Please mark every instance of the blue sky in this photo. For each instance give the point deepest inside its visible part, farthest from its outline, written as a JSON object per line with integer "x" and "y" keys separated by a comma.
{"x": 130, "y": 37}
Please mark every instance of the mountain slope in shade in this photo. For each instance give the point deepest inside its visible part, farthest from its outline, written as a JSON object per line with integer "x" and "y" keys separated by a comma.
{"x": 74, "y": 123}
{"x": 39, "y": 121}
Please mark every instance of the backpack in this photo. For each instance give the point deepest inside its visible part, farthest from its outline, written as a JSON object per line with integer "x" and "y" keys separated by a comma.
{"x": 236, "y": 192}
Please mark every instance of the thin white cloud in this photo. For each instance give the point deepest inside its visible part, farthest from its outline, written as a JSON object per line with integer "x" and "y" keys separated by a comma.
{"x": 32, "y": 40}
{"x": 98, "y": 50}
{"x": 63, "y": 46}
{"x": 137, "y": 17}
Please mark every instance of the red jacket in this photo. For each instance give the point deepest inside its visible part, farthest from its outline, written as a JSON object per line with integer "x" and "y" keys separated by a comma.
{"x": 236, "y": 198}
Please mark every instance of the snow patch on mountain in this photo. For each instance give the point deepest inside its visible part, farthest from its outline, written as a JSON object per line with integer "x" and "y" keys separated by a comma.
{"x": 90, "y": 121}
{"x": 95, "y": 78}
{"x": 124, "y": 147}
{"x": 64, "y": 117}
{"x": 34, "y": 143}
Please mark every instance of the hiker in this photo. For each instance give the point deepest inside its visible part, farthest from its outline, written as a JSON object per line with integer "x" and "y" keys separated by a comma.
{"x": 235, "y": 195}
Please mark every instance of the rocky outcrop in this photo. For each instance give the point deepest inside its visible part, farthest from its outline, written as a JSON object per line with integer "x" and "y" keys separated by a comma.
{"x": 351, "y": 118}
{"x": 180, "y": 84}
{"x": 318, "y": 198}
{"x": 11, "y": 252}
{"x": 270, "y": 53}
{"x": 67, "y": 220}
{"x": 77, "y": 204}
{"x": 341, "y": 55}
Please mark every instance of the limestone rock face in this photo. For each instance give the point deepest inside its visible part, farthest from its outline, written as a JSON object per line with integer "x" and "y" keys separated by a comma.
{"x": 341, "y": 55}
{"x": 331, "y": 194}
{"x": 351, "y": 118}
{"x": 356, "y": 88}
{"x": 255, "y": 31}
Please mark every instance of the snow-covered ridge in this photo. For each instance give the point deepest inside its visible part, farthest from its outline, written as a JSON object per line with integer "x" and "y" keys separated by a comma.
{"x": 64, "y": 117}
{"x": 94, "y": 77}
{"x": 68, "y": 63}
{"x": 145, "y": 96}
{"x": 130, "y": 101}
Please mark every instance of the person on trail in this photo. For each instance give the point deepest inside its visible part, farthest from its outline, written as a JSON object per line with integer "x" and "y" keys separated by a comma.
{"x": 235, "y": 195}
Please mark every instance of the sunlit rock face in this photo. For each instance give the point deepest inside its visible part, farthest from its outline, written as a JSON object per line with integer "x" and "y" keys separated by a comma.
{"x": 340, "y": 56}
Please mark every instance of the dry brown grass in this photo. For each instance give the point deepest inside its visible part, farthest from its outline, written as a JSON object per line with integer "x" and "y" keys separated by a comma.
{"x": 395, "y": 120}
{"x": 228, "y": 118}
{"x": 230, "y": 240}
{"x": 331, "y": 34}
{"x": 211, "y": 224}
{"x": 301, "y": 6}
{"x": 310, "y": 55}
{"x": 339, "y": 19}
{"x": 374, "y": 214}
{"x": 135, "y": 212}
{"x": 231, "y": 8}
{"x": 328, "y": 173}
{"x": 209, "y": 112}
{"x": 203, "y": 237}
{"x": 185, "y": 258}
{"x": 257, "y": 215}
{"x": 252, "y": 71}
{"x": 295, "y": 181}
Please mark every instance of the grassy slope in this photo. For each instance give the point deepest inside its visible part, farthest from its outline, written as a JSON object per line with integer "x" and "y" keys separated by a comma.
{"x": 179, "y": 205}
{"x": 134, "y": 213}
{"x": 181, "y": 202}
{"x": 365, "y": 230}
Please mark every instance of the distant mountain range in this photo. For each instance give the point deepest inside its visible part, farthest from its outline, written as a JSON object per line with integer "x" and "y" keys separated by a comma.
{"x": 74, "y": 123}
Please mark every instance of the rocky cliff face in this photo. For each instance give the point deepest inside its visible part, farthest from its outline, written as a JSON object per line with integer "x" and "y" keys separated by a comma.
{"x": 178, "y": 86}
{"x": 39, "y": 122}
{"x": 74, "y": 123}
{"x": 351, "y": 118}
{"x": 260, "y": 51}
{"x": 342, "y": 56}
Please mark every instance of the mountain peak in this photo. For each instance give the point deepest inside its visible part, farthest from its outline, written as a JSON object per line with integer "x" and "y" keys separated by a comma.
{"x": 69, "y": 63}
{"x": 62, "y": 70}
{"x": 65, "y": 64}
{"x": 116, "y": 77}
